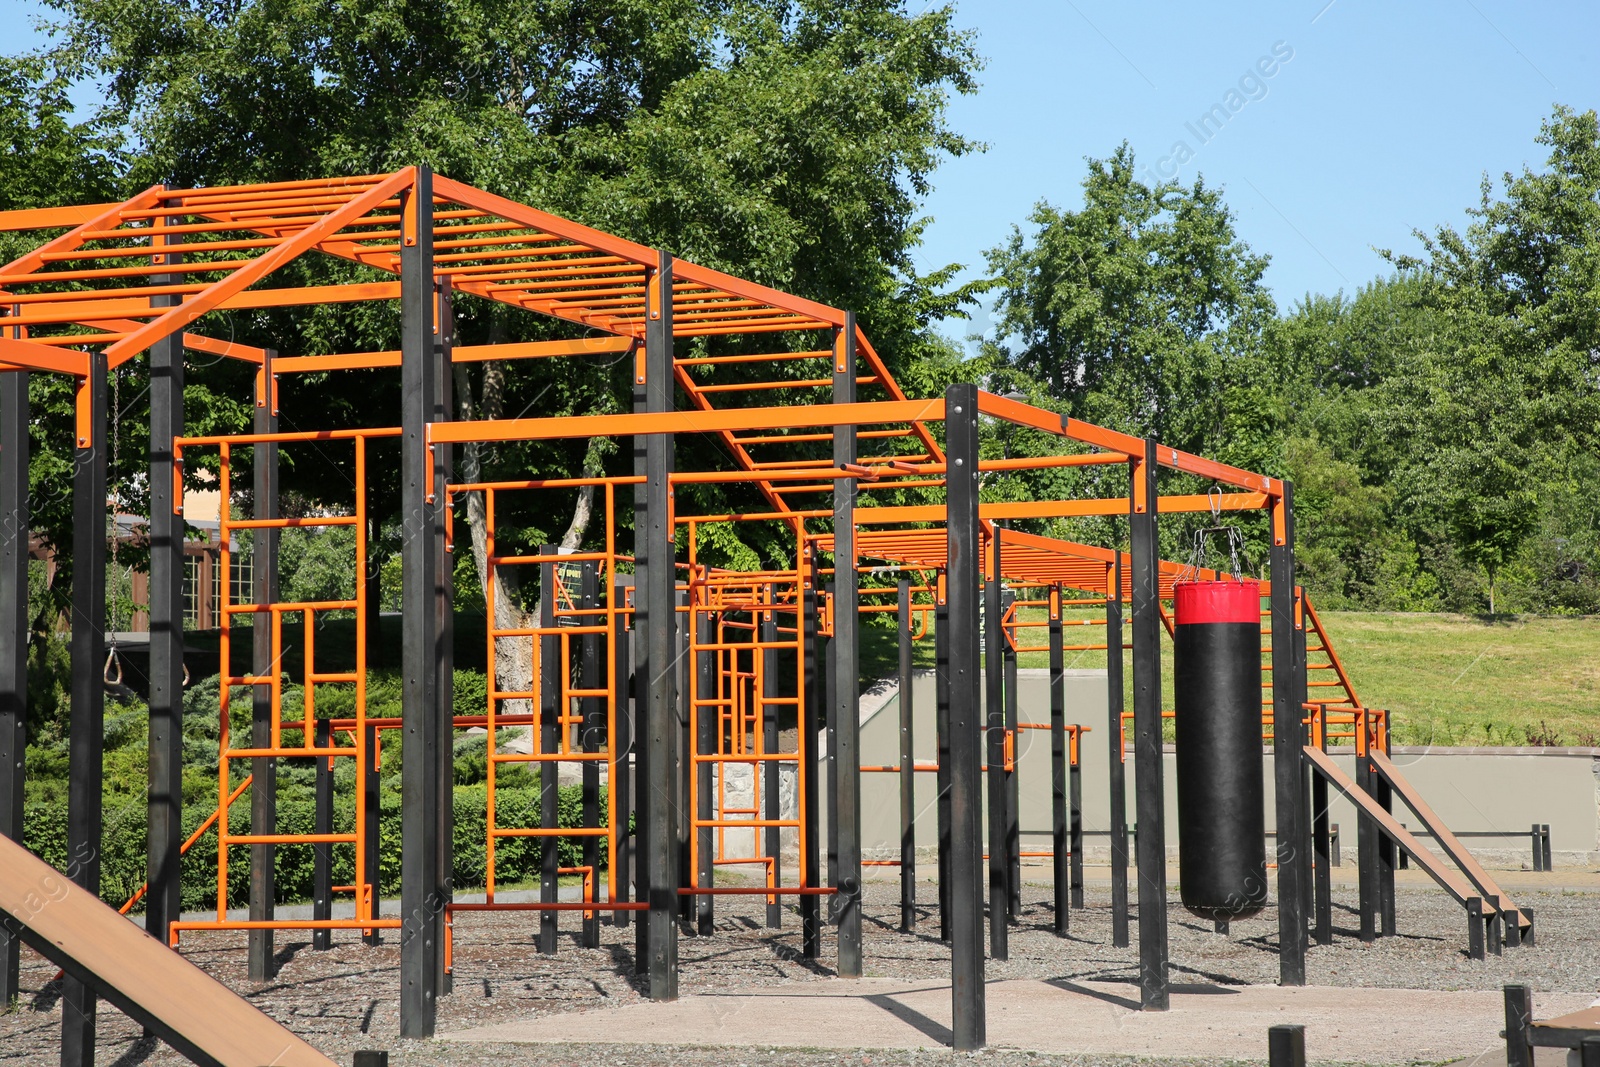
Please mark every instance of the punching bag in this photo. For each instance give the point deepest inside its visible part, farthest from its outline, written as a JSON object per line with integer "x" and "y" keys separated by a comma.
{"x": 1222, "y": 860}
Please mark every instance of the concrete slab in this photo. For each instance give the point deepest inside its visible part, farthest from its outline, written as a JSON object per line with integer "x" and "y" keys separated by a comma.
{"x": 1376, "y": 1026}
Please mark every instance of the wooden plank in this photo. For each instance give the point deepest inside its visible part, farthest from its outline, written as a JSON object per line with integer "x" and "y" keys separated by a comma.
{"x": 1565, "y": 1031}
{"x": 1448, "y": 880}
{"x": 1448, "y": 841}
{"x": 180, "y": 1003}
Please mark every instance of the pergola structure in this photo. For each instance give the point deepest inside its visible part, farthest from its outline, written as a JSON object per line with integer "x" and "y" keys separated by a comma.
{"x": 144, "y": 277}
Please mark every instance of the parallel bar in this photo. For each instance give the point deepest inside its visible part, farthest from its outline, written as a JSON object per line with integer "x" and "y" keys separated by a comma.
{"x": 264, "y": 582}
{"x": 86, "y": 729}
{"x": 1287, "y": 747}
{"x": 1117, "y": 776}
{"x": 14, "y": 511}
{"x": 1152, "y": 841}
{"x": 847, "y": 661}
{"x": 421, "y": 911}
{"x": 969, "y": 1030}
{"x": 908, "y": 777}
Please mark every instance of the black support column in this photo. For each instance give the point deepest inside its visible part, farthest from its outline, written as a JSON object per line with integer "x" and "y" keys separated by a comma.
{"x": 1117, "y": 775}
{"x": 86, "y": 729}
{"x": 594, "y": 730}
{"x": 1286, "y": 753}
{"x": 813, "y": 712}
{"x": 444, "y": 631}
{"x": 264, "y": 590}
{"x": 164, "y": 782}
{"x": 1008, "y": 663}
{"x": 908, "y": 770}
{"x": 421, "y": 909}
{"x": 994, "y": 717}
{"x": 14, "y": 449}
{"x": 965, "y": 863}
{"x": 705, "y": 744}
{"x": 656, "y": 599}
{"x": 553, "y": 669}
{"x": 1152, "y": 844}
{"x": 1060, "y": 826}
{"x": 941, "y": 726}
{"x": 846, "y": 748}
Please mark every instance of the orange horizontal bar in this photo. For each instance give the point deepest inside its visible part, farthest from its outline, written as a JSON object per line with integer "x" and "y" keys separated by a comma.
{"x": 687, "y": 421}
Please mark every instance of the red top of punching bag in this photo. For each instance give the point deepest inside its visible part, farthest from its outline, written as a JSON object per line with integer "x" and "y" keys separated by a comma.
{"x": 1216, "y": 602}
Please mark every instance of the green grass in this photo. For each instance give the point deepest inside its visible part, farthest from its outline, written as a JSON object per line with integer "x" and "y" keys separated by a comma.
{"x": 1463, "y": 680}
{"x": 1453, "y": 680}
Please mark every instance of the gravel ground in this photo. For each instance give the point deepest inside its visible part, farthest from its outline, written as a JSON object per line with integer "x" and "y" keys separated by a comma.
{"x": 346, "y": 998}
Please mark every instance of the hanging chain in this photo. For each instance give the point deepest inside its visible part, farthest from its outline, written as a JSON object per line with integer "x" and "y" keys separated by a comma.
{"x": 1199, "y": 552}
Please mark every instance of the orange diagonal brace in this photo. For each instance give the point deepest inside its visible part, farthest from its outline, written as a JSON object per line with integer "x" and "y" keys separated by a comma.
{"x": 210, "y": 297}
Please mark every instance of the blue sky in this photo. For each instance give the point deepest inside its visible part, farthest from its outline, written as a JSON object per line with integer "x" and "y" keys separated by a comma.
{"x": 1376, "y": 118}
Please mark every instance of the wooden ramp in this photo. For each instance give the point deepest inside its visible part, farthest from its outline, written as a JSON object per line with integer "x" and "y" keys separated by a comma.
{"x": 1452, "y": 846}
{"x": 172, "y": 998}
{"x": 1452, "y": 882}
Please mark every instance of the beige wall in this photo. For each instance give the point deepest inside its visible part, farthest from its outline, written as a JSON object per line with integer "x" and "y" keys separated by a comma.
{"x": 1471, "y": 789}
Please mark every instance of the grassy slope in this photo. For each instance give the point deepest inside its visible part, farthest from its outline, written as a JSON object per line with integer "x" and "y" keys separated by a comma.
{"x": 1461, "y": 680}
{"x": 1451, "y": 680}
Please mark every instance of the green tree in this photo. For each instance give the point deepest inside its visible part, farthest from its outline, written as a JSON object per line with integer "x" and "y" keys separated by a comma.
{"x": 1141, "y": 310}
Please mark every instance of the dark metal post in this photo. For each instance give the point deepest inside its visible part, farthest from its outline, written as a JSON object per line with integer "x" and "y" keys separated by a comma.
{"x": 14, "y": 637}
{"x": 1389, "y": 857}
{"x": 370, "y": 783}
{"x": 1152, "y": 842}
{"x": 969, "y": 1031}
{"x": 622, "y": 745}
{"x": 1287, "y": 745}
{"x": 1286, "y": 1045}
{"x": 553, "y": 669}
{"x": 705, "y": 742}
{"x": 164, "y": 776}
{"x": 1519, "y": 1016}
{"x": 908, "y": 771}
{"x": 658, "y": 627}
{"x": 264, "y": 590}
{"x": 683, "y": 747}
{"x": 593, "y": 734}
{"x": 1322, "y": 841}
{"x": 941, "y": 725}
{"x": 812, "y": 713}
{"x": 847, "y": 660}
{"x": 1366, "y": 852}
{"x": 1117, "y": 777}
{"x": 1075, "y": 806}
{"x": 322, "y": 851}
{"x": 421, "y": 910}
{"x": 444, "y": 623}
{"x": 1059, "y": 825}
{"x": 86, "y": 727}
{"x": 1475, "y": 928}
{"x": 994, "y": 717}
{"x": 1008, "y": 661}
{"x": 772, "y": 780}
